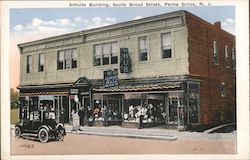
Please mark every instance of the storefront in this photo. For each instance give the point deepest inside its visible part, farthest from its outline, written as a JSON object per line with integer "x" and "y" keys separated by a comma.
{"x": 52, "y": 101}
{"x": 173, "y": 104}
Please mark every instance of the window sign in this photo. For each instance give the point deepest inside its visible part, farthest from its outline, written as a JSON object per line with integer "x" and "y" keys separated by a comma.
{"x": 110, "y": 78}
{"x": 125, "y": 64}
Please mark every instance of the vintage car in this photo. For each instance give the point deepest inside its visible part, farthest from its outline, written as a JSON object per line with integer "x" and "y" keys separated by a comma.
{"x": 40, "y": 124}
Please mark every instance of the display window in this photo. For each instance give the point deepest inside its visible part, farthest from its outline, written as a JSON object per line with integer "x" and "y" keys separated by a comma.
{"x": 132, "y": 104}
{"x": 156, "y": 108}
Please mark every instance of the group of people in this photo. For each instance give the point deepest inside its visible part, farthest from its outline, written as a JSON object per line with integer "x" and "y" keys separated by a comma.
{"x": 84, "y": 114}
{"x": 147, "y": 112}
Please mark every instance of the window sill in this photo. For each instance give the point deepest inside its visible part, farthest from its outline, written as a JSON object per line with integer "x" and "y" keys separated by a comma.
{"x": 69, "y": 69}
{"x": 104, "y": 66}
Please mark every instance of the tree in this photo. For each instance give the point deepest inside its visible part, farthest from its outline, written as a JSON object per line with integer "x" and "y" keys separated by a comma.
{"x": 14, "y": 97}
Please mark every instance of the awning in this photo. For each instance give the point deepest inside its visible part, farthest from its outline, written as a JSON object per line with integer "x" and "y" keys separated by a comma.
{"x": 138, "y": 88}
{"x": 44, "y": 93}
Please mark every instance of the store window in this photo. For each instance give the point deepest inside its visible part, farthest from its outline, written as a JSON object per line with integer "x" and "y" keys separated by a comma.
{"x": 67, "y": 59}
{"x": 46, "y": 103}
{"x": 143, "y": 48}
{"x": 132, "y": 105}
{"x": 226, "y": 57}
{"x": 41, "y": 59}
{"x": 29, "y": 64}
{"x": 105, "y": 54}
{"x": 156, "y": 108}
{"x": 216, "y": 54}
{"x": 193, "y": 98}
{"x": 233, "y": 58}
{"x": 166, "y": 45}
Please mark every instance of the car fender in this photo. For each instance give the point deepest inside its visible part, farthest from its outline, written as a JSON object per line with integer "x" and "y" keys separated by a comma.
{"x": 61, "y": 125}
{"x": 19, "y": 126}
{"x": 48, "y": 128}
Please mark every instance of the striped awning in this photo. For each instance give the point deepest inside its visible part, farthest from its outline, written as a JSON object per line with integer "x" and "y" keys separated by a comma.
{"x": 44, "y": 93}
{"x": 139, "y": 88}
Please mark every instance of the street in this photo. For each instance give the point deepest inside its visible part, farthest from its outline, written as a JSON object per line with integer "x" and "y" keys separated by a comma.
{"x": 76, "y": 144}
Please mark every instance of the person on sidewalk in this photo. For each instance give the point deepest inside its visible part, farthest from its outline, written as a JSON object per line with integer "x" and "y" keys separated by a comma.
{"x": 142, "y": 113}
{"x": 81, "y": 115}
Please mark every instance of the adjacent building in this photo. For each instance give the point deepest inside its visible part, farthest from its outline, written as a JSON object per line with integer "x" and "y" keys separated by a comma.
{"x": 177, "y": 66}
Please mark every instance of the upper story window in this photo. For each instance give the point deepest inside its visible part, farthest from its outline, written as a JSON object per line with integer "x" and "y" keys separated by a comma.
{"x": 216, "y": 58}
{"x": 233, "y": 58}
{"x": 226, "y": 57}
{"x": 106, "y": 53}
{"x": 29, "y": 64}
{"x": 166, "y": 45}
{"x": 67, "y": 59}
{"x": 143, "y": 48}
{"x": 41, "y": 61}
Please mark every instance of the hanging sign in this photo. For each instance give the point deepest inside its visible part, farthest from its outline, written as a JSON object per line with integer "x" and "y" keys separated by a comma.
{"x": 125, "y": 62}
{"x": 110, "y": 78}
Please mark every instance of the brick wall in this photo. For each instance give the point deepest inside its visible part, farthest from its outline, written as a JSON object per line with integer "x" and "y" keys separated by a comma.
{"x": 201, "y": 34}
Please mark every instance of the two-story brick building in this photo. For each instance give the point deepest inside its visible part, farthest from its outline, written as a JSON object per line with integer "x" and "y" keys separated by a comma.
{"x": 178, "y": 66}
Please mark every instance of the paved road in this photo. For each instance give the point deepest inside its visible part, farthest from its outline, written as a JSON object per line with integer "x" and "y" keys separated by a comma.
{"x": 92, "y": 144}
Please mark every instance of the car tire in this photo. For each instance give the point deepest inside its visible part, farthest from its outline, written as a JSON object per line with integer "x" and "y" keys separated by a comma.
{"x": 60, "y": 137}
{"x": 43, "y": 135}
{"x": 18, "y": 132}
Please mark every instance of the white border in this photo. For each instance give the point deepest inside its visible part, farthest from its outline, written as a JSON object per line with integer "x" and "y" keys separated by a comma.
{"x": 242, "y": 47}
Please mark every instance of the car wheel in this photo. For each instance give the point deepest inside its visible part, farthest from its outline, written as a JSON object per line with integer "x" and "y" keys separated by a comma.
{"x": 43, "y": 135}
{"x": 60, "y": 137}
{"x": 17, "y": 132}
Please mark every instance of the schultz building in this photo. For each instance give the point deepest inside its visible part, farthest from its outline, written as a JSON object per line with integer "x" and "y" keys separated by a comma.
{"x": 177, "y": 65}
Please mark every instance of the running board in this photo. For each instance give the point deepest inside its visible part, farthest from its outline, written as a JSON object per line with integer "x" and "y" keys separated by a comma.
{"x": 29, "y": 134}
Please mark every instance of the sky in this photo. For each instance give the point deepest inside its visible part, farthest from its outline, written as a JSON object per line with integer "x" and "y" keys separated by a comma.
{"x": 28, "y": 24}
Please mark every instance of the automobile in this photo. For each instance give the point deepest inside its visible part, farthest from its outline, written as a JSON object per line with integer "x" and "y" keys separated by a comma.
{"x": 41, "y": 124}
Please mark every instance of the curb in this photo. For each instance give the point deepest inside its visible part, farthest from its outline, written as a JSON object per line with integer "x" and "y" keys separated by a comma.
{"x": 155, "y": 137}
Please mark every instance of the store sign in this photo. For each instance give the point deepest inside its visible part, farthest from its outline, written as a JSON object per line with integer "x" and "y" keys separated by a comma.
{"x": 110, "y": 78}
{"x": 74, "y": 91}
{"x": 125, "y": 63}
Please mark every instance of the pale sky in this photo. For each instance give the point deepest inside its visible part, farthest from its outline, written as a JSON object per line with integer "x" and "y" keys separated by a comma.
{"x": 32, "y": 24}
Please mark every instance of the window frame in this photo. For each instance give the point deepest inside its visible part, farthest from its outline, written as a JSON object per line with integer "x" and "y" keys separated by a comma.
{"x": 227, "y": 56}
{"x": 141, "y": 52}
{"x": 216, "y": 53}
{"x": 223, "y": 92}
{"x": 41, "y": 67}
{"x": 29, "y": 64}
{"x": 63, "y": 62}
{"x": 234, "y": 57}
{"x": 167, "y": 46}
{"x": 98, "y": 59}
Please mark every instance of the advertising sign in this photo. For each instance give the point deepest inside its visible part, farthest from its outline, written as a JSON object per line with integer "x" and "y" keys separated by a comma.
{"x": 110, "y": 78}
{"x": 125, "y": 63}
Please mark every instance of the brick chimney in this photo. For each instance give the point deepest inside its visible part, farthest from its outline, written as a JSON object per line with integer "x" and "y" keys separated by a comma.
{"x": 217, "y": 25}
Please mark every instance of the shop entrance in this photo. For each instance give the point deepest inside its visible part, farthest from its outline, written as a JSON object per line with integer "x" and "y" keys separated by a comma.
{"x": 172, "y": 110}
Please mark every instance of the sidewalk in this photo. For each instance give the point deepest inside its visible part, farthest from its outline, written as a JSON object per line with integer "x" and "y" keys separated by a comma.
{"x": 150, "y": 133}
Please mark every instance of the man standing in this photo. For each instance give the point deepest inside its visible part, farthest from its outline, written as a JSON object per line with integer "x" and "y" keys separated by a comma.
{"x": 81, "y": 115}
{"x": 142, "y": 113}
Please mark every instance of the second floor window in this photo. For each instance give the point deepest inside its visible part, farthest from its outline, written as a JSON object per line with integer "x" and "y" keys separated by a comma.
{"x": 216, "y": 58}
{"x": 166, "y": 45}
{"x": 105, "y": 54}
{"x": 67, "y": 59}
{"x": 143, "y": 49}
{"x": 29, "y": 64}
{"x": 41, "y": 62}
{"x": 226, "y": 56}
{"x": 233, "y": 58}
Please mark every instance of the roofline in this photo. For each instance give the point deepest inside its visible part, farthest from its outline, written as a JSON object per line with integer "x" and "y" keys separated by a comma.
{"x": 104, "y": 28}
